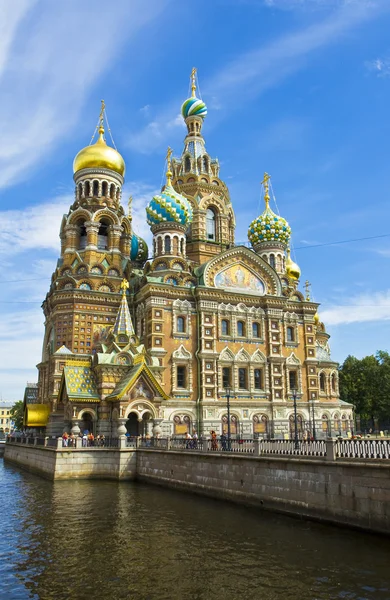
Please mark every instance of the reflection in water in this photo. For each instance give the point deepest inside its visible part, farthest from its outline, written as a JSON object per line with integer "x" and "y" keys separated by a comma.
{"x": 105, "y": 540}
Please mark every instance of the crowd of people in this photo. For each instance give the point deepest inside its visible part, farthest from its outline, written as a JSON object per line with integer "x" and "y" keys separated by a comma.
{"x": 87, "y": 439}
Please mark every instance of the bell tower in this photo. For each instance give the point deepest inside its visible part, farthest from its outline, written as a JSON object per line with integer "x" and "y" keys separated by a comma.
{"x": 196, "y": 176}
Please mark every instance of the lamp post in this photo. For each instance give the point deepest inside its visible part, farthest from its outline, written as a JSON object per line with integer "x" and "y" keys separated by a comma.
{"x": 296, "y": 441}
{"x": 228, "y": 390}
{"x": 314, "y": 421}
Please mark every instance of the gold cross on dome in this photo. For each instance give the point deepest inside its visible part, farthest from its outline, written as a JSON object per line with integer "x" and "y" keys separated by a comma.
{"x": 103, "y": 108}
{"x": 130, "y": 202}
{"x": 266, "y": 187}
{"x": 193, "y": 84}
{"x": 307, "y": 288}
{"x": 125, "y": 286}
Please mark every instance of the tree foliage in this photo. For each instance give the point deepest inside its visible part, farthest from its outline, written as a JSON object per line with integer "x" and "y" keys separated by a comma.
{"x": 16, "y": 414}
{"x": 366, "y": 384}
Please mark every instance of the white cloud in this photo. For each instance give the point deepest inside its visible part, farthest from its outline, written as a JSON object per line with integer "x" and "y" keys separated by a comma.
{"x": 48, "y": 66}
{"x": 35, "y": 227}
{"x": 379, "y": 66}
{"x": 360, "y": 309}
{"x": 255, "y": 72}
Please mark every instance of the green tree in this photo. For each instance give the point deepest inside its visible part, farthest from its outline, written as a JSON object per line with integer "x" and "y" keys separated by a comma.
{"x": 16, "y": 413}
{"x": 366, "y": 384}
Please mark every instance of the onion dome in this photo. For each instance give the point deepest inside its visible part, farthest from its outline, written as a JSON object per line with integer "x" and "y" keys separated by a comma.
{"x": 193, "y": 106}
{"x": 292, "y": 269}
{"x": 138, "y": 249}
{"x": 99, "y": 155}
{"x": 268, "y": 227}
{"x": 169, "y": 206}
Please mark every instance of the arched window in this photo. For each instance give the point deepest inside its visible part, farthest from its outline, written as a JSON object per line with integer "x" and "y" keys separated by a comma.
{"x": 333, "y": 382}
{"x": 181, "y": 323}
{"x": 83, "y": 235}
{"x": 80, "y": 190}
{"x": 256, "y": 330}
{"x": 95, "y": 188}
{"x": 187, "y": 164}
{"x": 290, "y": 334}
{"x": 205, "y": 164}
{"x": 103, "y": 235}
{"x": 224, "y": 327}
{"x": 87, "y": 188}
{"x": 210, "y": 225}
{"x": 240, "y": 328}
{"x": 181, "y": 246}
{"x": 272, "y": 260}
{"x": 258, "y": 379}
{"x": 167, "y": 244}
{"x": 112, "y": 191}
{"x": 105, "y": 188}
{"x": 322, "y": 382}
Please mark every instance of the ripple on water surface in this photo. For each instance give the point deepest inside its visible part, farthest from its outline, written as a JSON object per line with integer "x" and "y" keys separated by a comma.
{"x": 106, "y": 540}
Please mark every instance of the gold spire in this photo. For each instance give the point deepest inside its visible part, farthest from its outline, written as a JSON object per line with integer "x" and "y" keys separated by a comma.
{"x": 307, "y": 288}
{"x": 193, "y": 82}
{"x": 169, "y": 166}
{"x": 266, "y": 188}
{"x": 99, "y": 154}
{"x": 124, "y": 286}
{"x": 101, "y": 118}
{"x": 129, "y": 204}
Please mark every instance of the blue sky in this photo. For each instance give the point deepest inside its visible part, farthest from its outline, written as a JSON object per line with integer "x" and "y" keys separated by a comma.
{"x": 298, "y": 88}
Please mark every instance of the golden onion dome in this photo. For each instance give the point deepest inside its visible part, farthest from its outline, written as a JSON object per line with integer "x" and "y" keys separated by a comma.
{"x": 292, "y": 269}
{"x": 316, "y": 319}
{"x": 99, "y": 155}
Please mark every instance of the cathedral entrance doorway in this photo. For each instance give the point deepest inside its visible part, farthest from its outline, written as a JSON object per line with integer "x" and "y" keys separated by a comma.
{"x": 87, "y": 424}
{"x": 132, "y": 425}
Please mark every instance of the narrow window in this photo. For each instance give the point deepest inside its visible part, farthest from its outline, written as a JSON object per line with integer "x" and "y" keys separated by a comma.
{"x": 167, "y": 244}
{"x": 187, "y": 164}
{"x": 210, "y": 224}
{"x": 226, "y": 377}
{"x": 322, "y": 382}
{"x": 240, "y": 328}
{"x": 290, "y": 334}
{"x": 181, "y": 377}
{"x": 292, "y": 380}
{"x": 181, "y": 324}
{"x": 242, "y": 379}
{"x": 258, "y": 379}
{"x": 256, "y": 330}
{"x": 333, "y": 382}
{"x": 95, "y": 188}
{"x": 225, "y": 327}
{"x": 272, "y": 260}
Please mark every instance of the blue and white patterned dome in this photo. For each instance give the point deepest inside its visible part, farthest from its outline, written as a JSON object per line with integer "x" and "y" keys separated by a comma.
{"x": 193, "y": 107}
{"x": 269, "y": 227}
{"x": 138, "y": 249}
{"x": 169, "y": 207}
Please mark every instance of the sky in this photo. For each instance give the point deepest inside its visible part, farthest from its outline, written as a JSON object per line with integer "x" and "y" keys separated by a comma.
{"x": 297, "y": 88}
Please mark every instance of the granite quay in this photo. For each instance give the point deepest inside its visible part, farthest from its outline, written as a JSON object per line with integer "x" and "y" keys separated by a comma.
{"x": 339, "y": 481}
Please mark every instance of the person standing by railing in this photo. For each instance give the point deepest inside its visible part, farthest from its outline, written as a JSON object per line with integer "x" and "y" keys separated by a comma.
{"x": 195, "y": 440}
{"x": 214, "y": 441}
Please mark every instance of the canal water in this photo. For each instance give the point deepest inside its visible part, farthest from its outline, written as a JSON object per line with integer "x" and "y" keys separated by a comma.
{"x": 102, "y": 540}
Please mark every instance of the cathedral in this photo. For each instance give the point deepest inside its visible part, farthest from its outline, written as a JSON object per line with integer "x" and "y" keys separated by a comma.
{"x": 155, "y": 341}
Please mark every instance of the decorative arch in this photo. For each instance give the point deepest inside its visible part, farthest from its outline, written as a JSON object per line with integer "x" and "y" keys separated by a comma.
{"x": 78, "y": 215}
{"x": 258, "y": 357}
{"x": 226, "y": 355}
{"x": 147, "y": 407}
{"x": 108, "y": 214}
{"x": 242, "y": 356}
{"x": 87, "y": 410}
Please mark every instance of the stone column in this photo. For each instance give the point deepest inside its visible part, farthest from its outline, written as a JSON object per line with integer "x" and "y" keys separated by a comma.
{"x": 122, "y": 427}
{"x": 157, "y": 431}
{"x": 115, "y": 232}
{"x": 92, "y": 235}
{"x": 71, "y": 234}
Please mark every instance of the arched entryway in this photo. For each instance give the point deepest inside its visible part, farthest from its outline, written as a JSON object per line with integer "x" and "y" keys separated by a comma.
{"x": 132, "y": 425}
{"x": 87, "y": 423}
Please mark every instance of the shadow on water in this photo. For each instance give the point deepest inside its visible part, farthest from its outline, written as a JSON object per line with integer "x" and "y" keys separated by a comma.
{"x": 107, "y": 540}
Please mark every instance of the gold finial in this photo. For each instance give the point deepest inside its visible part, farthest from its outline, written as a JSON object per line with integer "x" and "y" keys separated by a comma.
{"x": 307, "y": 288}
{"x": 101, "y": 117}
{"x": 266, "y": 188}
{"x": 125, "y": 286}
{"x": 129, "y": 204}
{"x": 169, "y": 166}
{"x": 193, "y": 82}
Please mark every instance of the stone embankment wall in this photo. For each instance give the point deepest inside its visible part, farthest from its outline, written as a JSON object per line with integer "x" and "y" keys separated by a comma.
{"x": 110, "y": 463}
{"x": 348, "y": 492}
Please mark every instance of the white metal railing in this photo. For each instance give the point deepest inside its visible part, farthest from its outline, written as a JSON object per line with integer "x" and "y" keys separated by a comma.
{"x": 364, "y": 449}
{"x": 287, "y": 447}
